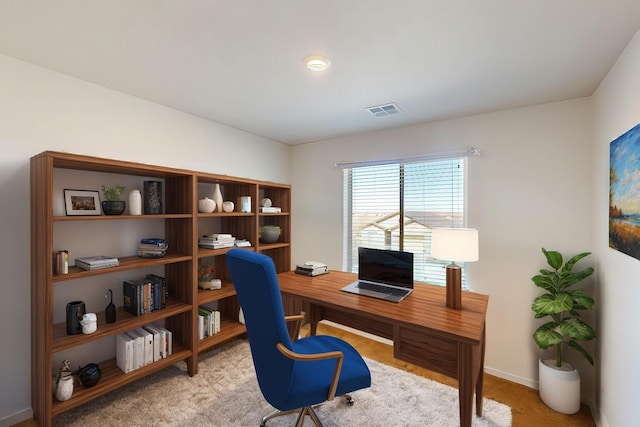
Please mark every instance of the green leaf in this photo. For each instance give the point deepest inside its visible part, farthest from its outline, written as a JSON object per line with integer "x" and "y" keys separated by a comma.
{"x": 574, "y": 345}
{"x": 546, "y": 336}
{"x": 545, "y": 283}
{"x": 554, "y": 259}
{"x": 569, "y": 265}
{"x": 577, "y": 330}
{"x": 581, "y": 300}
{"x": 548, "y": 304}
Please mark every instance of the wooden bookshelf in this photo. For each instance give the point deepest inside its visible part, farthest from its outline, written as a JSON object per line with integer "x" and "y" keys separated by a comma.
{"x": 182, "y": 224}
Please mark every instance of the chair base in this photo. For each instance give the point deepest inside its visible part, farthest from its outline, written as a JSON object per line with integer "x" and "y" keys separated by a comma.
{"x": 308, "y": 410}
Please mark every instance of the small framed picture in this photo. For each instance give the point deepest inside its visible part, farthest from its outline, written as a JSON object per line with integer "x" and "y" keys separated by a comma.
{"x": 82, "y": 202}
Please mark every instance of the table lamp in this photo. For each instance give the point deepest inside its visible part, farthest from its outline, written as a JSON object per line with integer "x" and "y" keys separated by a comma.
{"x": 454, "y": 244}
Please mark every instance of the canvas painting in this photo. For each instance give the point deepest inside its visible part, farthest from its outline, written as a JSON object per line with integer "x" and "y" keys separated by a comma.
{"x": 624, "y": 193}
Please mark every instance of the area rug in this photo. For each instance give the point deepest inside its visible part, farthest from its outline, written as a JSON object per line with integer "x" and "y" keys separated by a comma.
{"x": 225, "y": 393}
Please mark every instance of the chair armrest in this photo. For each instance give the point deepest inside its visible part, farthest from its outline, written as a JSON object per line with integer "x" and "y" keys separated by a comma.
{"x": 314, "y": 357}
{"x": 298, "y": 318}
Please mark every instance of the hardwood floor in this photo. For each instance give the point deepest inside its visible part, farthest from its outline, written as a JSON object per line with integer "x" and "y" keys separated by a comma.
{"x": 526, "y": 407}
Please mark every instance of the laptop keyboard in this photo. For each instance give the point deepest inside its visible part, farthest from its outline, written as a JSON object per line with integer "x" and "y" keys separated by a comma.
{"x": 382, "y": 289}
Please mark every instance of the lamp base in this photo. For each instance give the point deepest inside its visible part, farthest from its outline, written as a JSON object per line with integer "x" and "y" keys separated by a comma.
{"x": 454, "y": 286}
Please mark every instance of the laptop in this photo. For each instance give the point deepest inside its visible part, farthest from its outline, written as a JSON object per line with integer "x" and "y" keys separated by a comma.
{"x": 383, "y": 274}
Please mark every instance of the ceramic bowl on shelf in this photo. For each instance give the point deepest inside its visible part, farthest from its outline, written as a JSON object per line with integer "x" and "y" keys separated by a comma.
{"x": 269, "y": 233}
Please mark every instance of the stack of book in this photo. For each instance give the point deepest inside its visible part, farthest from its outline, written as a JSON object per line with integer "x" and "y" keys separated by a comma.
{"x": 312, "y": 268}
{"x": 217, "y": 241}
{"x": 144, "y": 295}
{"x": 209, "y": 321}
{"x": 96, "y": 262}
{"x": 142, "y": 346}
{"x": 270, "y": 209}
{"x": 152, "y": 248}
{"x": 242, "y": 243}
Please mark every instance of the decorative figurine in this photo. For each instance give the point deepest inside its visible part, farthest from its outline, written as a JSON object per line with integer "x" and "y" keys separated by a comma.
{"x": 63, "y": 384}
{"x": 110, "y": 311}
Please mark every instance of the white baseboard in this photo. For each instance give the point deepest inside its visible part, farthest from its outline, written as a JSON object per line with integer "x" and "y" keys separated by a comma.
{"x": 18, "y": 417}
{"x": 513, "y": 378}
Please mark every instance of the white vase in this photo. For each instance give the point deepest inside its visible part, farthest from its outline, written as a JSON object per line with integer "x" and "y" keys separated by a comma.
{"x": 228, "y": 206}
{"x": 206, "y": 205}
{"x": 135, "y": 203}
{"x": 217, "y": 197}
{"x": 559, "y": 389}
{"x": 64, "y": 389}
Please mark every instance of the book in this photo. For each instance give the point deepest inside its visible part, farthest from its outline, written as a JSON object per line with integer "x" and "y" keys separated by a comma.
{"x": 168, "y": 342}
{"x": 312, "y": 268}
{"x": 124, "y": 352}
{"x": 270, "y": 209}
{"x": 152, "y": 248}
{"x": 147, "y": 336}
{"x": 157, "y": 340}
{"x": 96, "y": 262}
{"x": 138, "y": 349}
{"x": 217, "y": 241}
{"x": 160, "y": 295}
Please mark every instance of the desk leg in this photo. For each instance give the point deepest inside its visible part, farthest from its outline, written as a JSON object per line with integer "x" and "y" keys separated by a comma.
{"x": 466, "y": 380}
{"x": 315, "y": 316}
{"x": 480, "y": 379}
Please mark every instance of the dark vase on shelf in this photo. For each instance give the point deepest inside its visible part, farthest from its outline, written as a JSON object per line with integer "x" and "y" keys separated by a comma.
{"x": 113, "y": 207}
{"x": 110, "y": 311}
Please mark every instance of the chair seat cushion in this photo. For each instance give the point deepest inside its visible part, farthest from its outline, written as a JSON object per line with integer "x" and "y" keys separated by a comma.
{"x": 310, "y": 381}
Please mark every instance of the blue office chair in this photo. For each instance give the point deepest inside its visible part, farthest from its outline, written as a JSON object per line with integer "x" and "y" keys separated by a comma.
{"x": 294, "y": 375}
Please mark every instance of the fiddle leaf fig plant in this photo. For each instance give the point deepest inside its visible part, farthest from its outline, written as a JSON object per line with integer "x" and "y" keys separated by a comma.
{"x": 562, "y": 305}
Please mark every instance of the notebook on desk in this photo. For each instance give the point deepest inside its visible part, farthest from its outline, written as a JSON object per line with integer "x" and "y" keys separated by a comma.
{"x": 383, "y": 274}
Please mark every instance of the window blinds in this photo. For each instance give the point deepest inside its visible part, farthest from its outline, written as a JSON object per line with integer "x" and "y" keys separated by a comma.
{"x": 395, "y": 205}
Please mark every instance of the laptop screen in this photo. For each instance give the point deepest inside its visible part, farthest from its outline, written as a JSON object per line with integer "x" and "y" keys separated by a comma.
{"x": 386, "y": 266}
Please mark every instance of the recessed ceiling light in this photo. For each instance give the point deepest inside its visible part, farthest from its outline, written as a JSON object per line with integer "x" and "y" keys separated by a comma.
{"x": 317, "y": 62}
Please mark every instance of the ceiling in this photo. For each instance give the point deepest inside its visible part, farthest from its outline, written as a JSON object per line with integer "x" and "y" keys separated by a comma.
{"x": 240, "y": 62}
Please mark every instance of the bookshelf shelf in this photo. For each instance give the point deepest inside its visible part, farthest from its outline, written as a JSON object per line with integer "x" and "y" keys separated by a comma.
{"x": 181, "y": 226}
{"x": 113, "y": 378}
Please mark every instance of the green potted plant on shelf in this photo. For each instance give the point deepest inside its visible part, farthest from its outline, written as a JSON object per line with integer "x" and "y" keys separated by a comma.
{"x": 112, "y": 205}
{"x": 559, "y": 381}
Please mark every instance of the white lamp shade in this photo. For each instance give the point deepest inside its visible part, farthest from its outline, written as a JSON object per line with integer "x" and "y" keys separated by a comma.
{"x": 454, "y": 244}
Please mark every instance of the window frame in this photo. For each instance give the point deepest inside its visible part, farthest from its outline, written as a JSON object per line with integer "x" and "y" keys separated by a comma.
{"x": 350, "y": 251}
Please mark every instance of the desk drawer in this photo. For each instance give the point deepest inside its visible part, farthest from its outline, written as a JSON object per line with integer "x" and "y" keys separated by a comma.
{"x": 427, "y": 351}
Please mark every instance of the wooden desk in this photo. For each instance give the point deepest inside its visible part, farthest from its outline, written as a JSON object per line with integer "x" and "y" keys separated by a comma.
{"x": 423, "y": 330}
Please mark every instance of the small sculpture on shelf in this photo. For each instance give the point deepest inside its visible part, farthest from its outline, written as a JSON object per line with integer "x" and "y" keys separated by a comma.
{"x": 206, "y": 277}
{"x": 110, "y": 310}
{"x": 63, "y": 383}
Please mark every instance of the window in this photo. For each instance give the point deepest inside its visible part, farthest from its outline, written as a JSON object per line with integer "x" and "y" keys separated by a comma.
{"x": 395, "y": 205}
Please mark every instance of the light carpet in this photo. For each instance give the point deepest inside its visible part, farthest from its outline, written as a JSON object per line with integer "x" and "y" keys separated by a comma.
{"x": 225, "y": 393}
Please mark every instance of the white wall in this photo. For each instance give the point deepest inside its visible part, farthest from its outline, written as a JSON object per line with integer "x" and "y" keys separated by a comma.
{"x": 541, "y": 179}
{"x": 42, "y": 110}
{"x": 529, "y": 188}
{"x": 617, "y": 109}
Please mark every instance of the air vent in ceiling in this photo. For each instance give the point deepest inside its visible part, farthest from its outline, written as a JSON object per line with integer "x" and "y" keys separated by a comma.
{"x": 384, "y": 110}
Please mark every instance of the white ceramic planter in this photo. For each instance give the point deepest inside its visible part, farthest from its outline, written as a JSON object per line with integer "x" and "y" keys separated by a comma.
{"x": 559, "y": 389}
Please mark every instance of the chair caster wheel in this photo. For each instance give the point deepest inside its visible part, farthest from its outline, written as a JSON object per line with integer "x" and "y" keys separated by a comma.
{"x": 350, "y": 400}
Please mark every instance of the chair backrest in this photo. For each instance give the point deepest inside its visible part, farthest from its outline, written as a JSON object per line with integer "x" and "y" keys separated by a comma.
{"x": 256, "y": 283}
